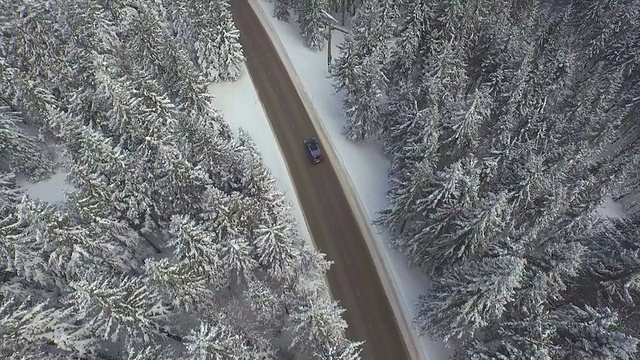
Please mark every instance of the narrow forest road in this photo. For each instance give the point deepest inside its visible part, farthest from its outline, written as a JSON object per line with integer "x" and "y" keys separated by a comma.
{"x": 353, "y": 279}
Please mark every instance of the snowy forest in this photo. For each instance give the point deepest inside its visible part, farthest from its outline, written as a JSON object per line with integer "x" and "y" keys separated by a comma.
{"x": 512, "y": 129}
{"x": 174, "y": 242}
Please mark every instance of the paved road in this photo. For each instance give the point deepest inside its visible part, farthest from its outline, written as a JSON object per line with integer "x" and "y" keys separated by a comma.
{"x": 353, "y": 278}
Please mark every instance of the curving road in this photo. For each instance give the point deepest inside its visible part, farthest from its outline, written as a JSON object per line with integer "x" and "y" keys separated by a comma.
{"x": 353, "y": 279}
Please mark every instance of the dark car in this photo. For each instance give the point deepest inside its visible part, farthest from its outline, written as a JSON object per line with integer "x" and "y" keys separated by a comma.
{"x": 313, "y": 150}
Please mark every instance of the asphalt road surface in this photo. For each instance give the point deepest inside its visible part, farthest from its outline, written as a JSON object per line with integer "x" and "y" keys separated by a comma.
{"x": 353, "y": 279}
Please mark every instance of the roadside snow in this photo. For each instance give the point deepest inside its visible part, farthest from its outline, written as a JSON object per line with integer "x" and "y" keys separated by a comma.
{"x": 365, "y": 164}
{"x": 241, "y": 108}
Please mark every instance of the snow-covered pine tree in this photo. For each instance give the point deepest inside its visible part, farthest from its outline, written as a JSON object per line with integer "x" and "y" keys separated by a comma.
{"x": 99, "y": 172}
{"x": 265, "y": 304}
{"x": 182, "y": 184}
{"x": 313, "y": 24}
{"x": 344, "y": 8}
{"x": 614, "y": 261}
{"x": 217, "y": 341}
{"x": 551, "y": 268}
{"x": 206, "y": 143}
{"x": 236, "y": 255}
{"x": 182, "y": 24}
{"x": 43, "y": 246}
{"x": 206, "y": 49}
{"x": 20, "y": 152}
{"x": 9, "y": 193}
{"x": 32, "y": 328}
{"x": 477, "y": 229}
{"x": 411, "y": 136}
{"x": 258, "y": 182}
{"x": 467, "y": 118}
{"x": 228, "y": 50}
{"x": 341, "y": 351}
{"x": 31, "y": 60}
{"x": 362, "y": 103}
{"x": 316, "y": 325}
{"x": 469, "y": 297}
{"x": 134, "y": 352}
{"x": 143, "y": 32}
{"x": 275, "y": 248}
{"x": 115, "y": 307}
{"x": 196, "y": 246}
{"x": 428, "y": 210}
{"x": 358, "y": 71}
{"x": 404, "y": 52}
{"x": 405, "y": 194}
{"x": 182, "y": 283}
{"x": 589, "y": 333}
{"x": 281, "y": 9}
{"x": 526, "y": 338}
{"x": 207, "y": 31}
{"x": 175, "y": 68}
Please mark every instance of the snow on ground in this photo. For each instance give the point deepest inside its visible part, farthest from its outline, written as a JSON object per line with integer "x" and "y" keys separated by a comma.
{"x": 51, "y": 190}
{"x": 365, "y": 164}
{"x": 611, "y": 209}
{"x": 241, "y": 108}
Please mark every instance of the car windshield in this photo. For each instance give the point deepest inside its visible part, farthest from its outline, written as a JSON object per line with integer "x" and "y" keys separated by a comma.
{"x": 313, "y": 146}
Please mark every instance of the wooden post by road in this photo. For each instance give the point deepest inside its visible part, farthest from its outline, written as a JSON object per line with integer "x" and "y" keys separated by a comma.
{"x": 329, "y": 48}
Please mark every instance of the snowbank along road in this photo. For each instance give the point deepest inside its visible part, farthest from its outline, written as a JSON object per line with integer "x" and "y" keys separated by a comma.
{"x": 353, "y": 279}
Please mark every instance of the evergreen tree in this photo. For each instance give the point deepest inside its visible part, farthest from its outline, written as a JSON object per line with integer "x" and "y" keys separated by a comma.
{"x": 405, "y": 195}
{"x": 359, "y": 71}
{"x": 181, "y": 282}
{"x": 529, "y": 338}
{"x": 27, "y": 327}
{"x": 196, "y": 246}
{"x": 346, "y": 351}
{"x": 229, "y": 54}
{"x": 591, "y": 333}
{"x": 20, "y": 152}
{"x": 275, "y": 249}
{"x": 314, "y": 325}
{"x": 30, "y": 59}
{"x": 464, "y": 121}
{"x": 281, "y": 10}
{"x": 265, "y": 303}
{"x": 182, "y": 184}
{"x": 218, "y": 342}
{"x": 43, "y": 245}
{"x": 405, "y": 51}
{"x": 206, "y": 142}
{"x": 9, "y": 192}
{"x": 132, "y": 352}
{"x": 615, "y": 261}
{"x": 114, "y": 306}
{"x": 143, "y": 29}
{"x": 363, "y": 102}
{"x": 468, "y": 298}
{"x": 312, "y": 22}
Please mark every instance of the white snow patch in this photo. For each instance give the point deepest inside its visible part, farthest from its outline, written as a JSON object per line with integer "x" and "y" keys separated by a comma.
{"x": 611, "y": 209}
{"x": 365, "y": 164}
{"x": 241, "y": 107}
{"x": 51, "y": 190}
